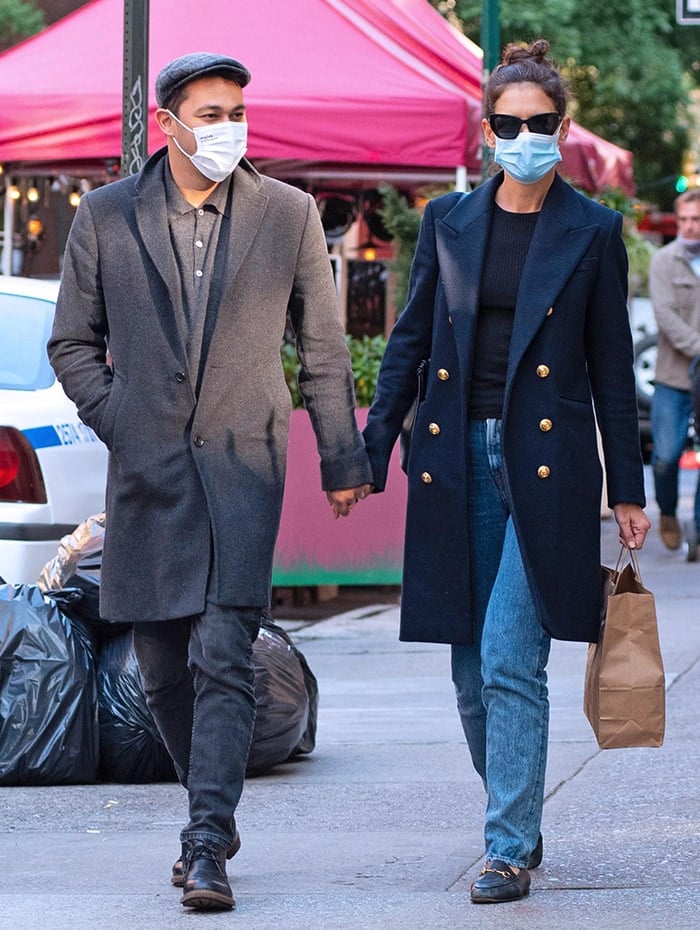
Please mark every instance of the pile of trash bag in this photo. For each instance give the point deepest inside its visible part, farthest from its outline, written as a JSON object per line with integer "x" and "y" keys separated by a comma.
{"x": 72, "y": 703}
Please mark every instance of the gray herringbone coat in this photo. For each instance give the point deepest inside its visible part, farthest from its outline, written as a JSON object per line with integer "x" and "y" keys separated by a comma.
{"x": 196, "y": 481}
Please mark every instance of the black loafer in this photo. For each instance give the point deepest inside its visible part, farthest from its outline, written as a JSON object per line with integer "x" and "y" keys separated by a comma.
{"x": 177, "y": 875}
{"x": 206, "y": 885}
{"x": 535, "y": 860}
{"x": 498, "y": 882}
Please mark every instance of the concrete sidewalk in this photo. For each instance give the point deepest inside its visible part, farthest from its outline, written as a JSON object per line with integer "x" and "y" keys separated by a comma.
{"x": 381, "y": 827}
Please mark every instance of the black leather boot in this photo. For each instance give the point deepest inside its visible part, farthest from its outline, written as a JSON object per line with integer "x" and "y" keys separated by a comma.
{"x": 206, "y": 884}
{"x": 177, "y": 875}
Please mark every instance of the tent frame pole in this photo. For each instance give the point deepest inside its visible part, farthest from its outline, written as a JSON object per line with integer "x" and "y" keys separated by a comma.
{"x": 8, "y": 228}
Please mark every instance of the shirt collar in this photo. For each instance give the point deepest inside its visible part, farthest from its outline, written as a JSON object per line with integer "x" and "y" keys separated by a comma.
{"x": 178, "y": 205}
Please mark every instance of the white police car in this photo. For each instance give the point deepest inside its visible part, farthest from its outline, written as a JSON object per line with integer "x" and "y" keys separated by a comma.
{"x": 52, "y": 466}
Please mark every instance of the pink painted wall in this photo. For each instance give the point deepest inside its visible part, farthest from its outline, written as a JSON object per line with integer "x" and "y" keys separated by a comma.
{"x": 364, "y": 548}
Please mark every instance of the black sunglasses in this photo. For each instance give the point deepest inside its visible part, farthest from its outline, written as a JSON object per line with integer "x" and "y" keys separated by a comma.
{"x": 508, "y": 127}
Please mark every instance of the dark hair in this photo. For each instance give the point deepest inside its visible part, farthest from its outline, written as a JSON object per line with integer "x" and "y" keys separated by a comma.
{"x": 522, "y": 64}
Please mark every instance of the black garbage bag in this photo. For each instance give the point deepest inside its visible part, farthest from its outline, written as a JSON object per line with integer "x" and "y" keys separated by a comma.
{"x": 284, "y": 714}
{"x": 286, "y": 696}
{"x": 48, "y": 693}
{"x": 131, "y": 750}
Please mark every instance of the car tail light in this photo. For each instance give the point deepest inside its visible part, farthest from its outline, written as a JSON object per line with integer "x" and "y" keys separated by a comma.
{"x": 20, "y": 472}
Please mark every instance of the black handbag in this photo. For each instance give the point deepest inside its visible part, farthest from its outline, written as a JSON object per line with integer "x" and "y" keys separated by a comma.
{"x": 409, "y": 420}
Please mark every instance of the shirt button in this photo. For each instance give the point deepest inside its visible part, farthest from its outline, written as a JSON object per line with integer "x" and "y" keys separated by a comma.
{"x": 542, "y": 371}
{"x": 199, "y": 243}
{"x": 426, "y": 477}
{"x": 199, "y": 273}
{"x": 180, "y": 377}
{"x": 198, "y": 441}
{"x": 433, "y": 429}
{"x": 543, "y": 471}
{"x": 545, "y": 425}
{"x": 200, "y": 212}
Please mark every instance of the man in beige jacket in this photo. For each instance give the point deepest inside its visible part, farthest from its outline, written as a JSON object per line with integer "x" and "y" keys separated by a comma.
{"x": 674, "y": 284}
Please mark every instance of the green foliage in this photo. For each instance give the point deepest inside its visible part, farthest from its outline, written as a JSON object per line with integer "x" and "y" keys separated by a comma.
{"x": 18, "y": 20}
{"x": 366, "y": 357}
{"x": 402, "y": 221}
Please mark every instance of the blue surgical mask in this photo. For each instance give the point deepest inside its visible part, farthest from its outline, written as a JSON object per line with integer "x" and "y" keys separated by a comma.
{"x": 529, "y": 156}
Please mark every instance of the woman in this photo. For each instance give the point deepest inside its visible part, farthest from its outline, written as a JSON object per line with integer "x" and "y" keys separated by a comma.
{"x": 518, "y": 298}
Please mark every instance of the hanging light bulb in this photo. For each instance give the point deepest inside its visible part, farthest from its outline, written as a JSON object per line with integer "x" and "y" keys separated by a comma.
{"x": 14, "y": 192}
{"x": 74, "y": 198}
{"x": 33, "y": 194}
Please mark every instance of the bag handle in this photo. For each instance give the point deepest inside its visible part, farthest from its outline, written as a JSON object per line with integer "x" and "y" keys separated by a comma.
{"x": 625, "y": 554}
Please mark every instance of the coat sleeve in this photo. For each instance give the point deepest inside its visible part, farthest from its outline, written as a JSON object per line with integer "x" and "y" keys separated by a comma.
{"x": 325, "y": 380}
{"x": 408, "y": 345}
{"x": 610, "y": 360}
{"x": 682, "y": 335}
{"x": 77, "y": 347}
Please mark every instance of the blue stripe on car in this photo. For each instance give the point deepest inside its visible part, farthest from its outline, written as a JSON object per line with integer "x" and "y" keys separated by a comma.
{"x": 60, "y": 434}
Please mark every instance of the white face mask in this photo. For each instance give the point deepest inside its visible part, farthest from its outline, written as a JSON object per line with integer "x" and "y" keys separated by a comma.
{"x": 219, "y": 147}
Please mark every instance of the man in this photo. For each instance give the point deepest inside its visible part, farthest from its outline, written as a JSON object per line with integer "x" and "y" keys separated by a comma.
{"x": 185, "y": 273}
{"x": 674, "y": 285}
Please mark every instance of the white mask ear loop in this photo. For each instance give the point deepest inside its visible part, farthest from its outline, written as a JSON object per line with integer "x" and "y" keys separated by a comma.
{"x": 174, "y": 138}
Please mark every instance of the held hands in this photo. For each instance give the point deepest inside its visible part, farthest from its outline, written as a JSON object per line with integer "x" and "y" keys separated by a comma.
{"x": 633, "y": 524}
{"x": 343, "y": 501}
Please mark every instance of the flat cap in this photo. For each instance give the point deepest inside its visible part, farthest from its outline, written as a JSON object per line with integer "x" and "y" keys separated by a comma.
{"x": 196, "y": 65}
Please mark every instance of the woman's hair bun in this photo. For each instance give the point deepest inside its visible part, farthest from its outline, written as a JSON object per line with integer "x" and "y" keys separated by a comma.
{"x": 515, "y": 52}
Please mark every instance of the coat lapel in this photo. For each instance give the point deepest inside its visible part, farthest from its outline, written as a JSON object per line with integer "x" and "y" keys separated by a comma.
{"x": 152, "y": 221}
{"x": 461, "y": 240}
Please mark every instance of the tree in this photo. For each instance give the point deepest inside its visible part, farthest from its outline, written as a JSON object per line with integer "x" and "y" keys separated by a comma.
{"x": 18, "y": 20}
{"x": 629, "y": 66}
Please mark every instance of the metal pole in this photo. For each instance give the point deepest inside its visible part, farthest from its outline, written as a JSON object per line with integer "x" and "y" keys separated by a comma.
{"x": 135, "y": 87}
{"x": 490, "y": 46}
{"x": 9, "y": 228}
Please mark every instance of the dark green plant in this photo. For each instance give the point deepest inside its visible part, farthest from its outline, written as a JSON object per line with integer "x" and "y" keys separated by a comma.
{"x": 18, "y": 20}
{"x": 403, "y": 221}
{"x": 366, "y": 357}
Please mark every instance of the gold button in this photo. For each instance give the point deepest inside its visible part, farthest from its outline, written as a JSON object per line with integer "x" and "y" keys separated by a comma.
{"x": 542, "y": 371}
{"x": 543, "y": 471}
{"x": 443, "y": 374}
{"x": 426, "y": 477}
{"x": 550, "y": 311}
{"x": 433, "y": 429}
{"x": 545, "y": 425}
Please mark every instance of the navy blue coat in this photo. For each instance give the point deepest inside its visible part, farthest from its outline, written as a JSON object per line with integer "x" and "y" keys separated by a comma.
{"x": 571, "y": 348}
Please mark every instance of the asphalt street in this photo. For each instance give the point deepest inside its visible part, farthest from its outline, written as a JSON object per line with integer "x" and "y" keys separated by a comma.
{"x": 381, "y": 826}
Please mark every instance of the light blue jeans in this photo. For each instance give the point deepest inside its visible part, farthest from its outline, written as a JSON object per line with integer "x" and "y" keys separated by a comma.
{"x": 501, "y": 680}
{"x": 670, "y": 415}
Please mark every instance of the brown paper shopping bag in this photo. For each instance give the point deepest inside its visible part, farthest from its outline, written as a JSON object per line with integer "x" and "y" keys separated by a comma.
{"x": 624, "y": 692}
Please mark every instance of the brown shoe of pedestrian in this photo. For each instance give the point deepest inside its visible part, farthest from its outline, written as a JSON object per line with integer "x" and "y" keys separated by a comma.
{"x": 670, "y": 532}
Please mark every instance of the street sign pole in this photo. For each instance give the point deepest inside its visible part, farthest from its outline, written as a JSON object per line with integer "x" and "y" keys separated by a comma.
{"x": 490, "y": 45}
{"x": 135, "y": 87}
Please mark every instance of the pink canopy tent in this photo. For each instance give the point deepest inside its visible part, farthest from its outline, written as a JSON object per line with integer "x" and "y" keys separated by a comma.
{"x": 322, "y": 89}
{"x": 346, "y": 82}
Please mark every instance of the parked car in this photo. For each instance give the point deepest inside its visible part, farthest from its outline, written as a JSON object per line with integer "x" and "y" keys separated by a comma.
{"x": 52, "y": 466}
{"x": 644, "y": 333}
